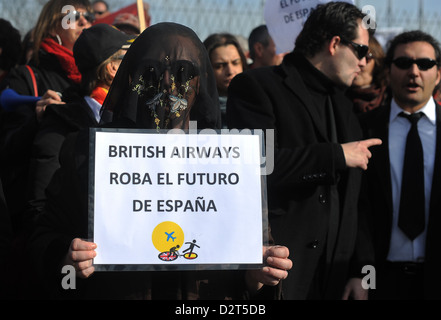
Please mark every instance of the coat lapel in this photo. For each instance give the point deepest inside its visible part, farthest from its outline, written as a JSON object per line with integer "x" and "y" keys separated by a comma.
{"x": 295, "y": 83}
{"x": 434, "y": 215}
{"x": 380, "y": 154}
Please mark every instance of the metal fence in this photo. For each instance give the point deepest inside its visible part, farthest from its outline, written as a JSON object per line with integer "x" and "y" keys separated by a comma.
{"x": 241, "y": 16}
{"x": 397, "y": 15}
{"x": 238, "y": 17}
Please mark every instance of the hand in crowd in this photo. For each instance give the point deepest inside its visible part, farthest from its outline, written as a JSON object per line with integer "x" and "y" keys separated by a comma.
{"x": 276, "y": 268}
{"x": 50, "y": 97}
{"x": 357, "y": 153}
{"x": 80, "y": 256}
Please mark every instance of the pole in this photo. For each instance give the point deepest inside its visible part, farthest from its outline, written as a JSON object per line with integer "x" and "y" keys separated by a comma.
{"x": 389, "y": 13}
{"x": 141, "y": 15}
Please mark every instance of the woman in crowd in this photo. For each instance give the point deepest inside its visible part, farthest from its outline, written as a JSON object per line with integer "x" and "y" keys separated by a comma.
{"x": 227, "y": 59}
{"x": 98, "y": 54}
{"x": 369, "y": 89}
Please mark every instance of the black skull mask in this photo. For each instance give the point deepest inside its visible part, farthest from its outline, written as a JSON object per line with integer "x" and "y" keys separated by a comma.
{"x": 164, "y": 81}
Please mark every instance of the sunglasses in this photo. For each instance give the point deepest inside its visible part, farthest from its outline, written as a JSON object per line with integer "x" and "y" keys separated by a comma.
{"x": 89, "y": 16}
{"x": 423, "y": 64}
{"x": 360, "y": 49}
{"x": 369, "y": 57}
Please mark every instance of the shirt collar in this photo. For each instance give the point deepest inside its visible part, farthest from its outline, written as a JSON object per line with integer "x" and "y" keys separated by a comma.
{"x": 429, "y": 110}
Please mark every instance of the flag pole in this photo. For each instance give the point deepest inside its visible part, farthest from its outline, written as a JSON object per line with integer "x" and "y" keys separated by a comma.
{"x": 141, "y": 15}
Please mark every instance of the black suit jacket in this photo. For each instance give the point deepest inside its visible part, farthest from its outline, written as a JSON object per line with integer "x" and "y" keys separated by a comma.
{"x": 308, "y": 168}
{"x": 377, "y": 197}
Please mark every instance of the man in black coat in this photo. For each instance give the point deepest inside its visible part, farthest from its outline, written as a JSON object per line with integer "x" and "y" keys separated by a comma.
{"x": 407, "y": 261}
{"x": 313, "y": 191}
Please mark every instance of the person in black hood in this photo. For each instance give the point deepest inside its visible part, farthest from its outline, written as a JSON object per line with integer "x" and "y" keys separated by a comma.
{"x": 173, "y": 78}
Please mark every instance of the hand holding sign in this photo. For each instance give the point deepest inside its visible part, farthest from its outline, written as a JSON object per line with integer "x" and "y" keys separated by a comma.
{"x": 80, "y": 256}
{"x": 276, "y": 268}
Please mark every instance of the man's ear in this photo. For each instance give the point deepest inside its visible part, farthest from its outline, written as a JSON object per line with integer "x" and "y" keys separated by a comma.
{"x": 333, "y": 45}
{"x": 258, "y": 49}
{"x": 438, "y": 76}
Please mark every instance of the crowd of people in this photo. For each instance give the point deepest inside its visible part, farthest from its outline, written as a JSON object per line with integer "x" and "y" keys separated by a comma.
{"x": 344, "y": 111}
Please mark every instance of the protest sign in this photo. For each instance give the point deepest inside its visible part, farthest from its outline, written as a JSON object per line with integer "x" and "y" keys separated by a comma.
{"x": 285, "y": 20}
{"x": 176, "y": 200}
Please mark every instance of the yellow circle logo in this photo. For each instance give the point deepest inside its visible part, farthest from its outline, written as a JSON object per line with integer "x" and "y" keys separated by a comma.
{"x": 167, "y": 235}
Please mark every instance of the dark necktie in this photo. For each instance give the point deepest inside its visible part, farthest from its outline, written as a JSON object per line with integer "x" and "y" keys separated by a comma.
{"x": 412, "y": 203}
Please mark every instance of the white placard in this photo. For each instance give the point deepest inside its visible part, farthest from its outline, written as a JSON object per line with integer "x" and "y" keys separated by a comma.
{"x": 177, "y": 199}
{"x": 285, "y": 20}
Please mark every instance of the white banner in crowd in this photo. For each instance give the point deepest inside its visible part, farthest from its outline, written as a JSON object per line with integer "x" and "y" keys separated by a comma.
{"x": 177, "y": 199}
{"x": 285, "y": 19}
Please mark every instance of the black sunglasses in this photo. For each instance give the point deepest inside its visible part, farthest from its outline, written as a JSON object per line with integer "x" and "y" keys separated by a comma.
{"x": 360, "y": 49}
{"x": 423, "y": 64}
{"x": 89, "y": 16}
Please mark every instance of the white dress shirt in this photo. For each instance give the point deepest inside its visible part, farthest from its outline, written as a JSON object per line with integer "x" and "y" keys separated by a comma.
{"x": 401, "y": 247}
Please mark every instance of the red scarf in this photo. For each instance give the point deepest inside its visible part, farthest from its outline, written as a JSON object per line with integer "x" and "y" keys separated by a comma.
{"x": 99, "y": 94}
{"x": 64, "y": 56}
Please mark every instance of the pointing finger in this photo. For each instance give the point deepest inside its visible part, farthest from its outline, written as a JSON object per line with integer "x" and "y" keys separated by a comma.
{"x": 372, "y": 142}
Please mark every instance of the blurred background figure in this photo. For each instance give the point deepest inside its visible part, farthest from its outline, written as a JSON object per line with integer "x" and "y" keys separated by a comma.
{"x": 227, "y": 59}
{"x": 100, "y": 9}
{"x": 369, "y": 89}
{"x": 98, "y": 54}
{"x": 10, "y": 48}
{"x": 127, "y": 19}
{"x": 50, "y": 71}
{"x": 128, "y": 23}
{"x": 263, "y": 49}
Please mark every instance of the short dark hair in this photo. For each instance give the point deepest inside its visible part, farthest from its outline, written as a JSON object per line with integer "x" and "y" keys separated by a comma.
{"x": 408, "y": 37}
{"x": 217, "y": 40}
{"x": 261, "y": 35}
{"x": 325, "y": 22}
